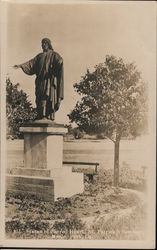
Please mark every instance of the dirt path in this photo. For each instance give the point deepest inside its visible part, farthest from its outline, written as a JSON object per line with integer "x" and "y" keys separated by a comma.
{"x": 141, "y": 195}
{"x": 118, "y": 213}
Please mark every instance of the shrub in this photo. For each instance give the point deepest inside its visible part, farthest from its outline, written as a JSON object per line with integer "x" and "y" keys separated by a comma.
{"x": 65, "y": 227}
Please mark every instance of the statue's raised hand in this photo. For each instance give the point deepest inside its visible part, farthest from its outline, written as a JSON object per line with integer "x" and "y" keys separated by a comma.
{"x": 16, "y": 66}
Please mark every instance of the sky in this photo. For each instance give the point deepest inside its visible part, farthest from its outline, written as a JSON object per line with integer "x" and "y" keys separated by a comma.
{"x": 83, "y": 34}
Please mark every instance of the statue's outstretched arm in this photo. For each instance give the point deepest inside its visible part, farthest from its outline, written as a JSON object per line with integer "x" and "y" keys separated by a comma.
{"x": 29, "y": 67}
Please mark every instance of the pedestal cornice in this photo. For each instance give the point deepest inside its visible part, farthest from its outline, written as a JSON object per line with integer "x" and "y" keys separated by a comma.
{"x": 44, "y": 126}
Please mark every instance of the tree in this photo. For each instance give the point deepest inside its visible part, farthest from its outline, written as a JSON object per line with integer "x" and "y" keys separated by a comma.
{"x": 18, "y": 109}
{"x": 114, "y": 102}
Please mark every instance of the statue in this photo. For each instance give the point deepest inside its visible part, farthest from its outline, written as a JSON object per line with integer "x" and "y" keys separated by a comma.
{"x": 49, "y": 85}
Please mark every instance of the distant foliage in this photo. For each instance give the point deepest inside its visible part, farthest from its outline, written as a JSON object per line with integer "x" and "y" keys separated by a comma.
{"x": 75, "y": 132}
{"x": 18, "y": 109}
{"x": 78, "y": 134}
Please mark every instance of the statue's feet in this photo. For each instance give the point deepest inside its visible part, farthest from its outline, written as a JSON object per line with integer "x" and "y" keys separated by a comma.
{"x": 52, "y": 117}
{"x": 38, "y": 118}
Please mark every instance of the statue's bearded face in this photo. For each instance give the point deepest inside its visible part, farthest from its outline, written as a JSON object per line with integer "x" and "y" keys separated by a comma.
{"x": 45, "y": 46}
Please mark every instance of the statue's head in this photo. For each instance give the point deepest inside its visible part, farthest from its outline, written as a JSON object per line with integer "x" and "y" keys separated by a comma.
{"x": 46, "y": 44}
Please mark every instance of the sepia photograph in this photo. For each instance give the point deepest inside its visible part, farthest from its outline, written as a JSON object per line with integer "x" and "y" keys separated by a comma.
{"x": 78, "y": 124}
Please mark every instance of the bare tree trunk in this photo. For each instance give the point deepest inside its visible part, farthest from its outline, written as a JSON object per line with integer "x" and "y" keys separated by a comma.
{"x": 116, "y": 163}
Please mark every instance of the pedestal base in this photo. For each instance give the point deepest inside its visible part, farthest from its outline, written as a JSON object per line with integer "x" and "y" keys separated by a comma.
{"x": 67, "y": 183}
{"x": 45, "y": 184}
{"x": 42, "y": 187}
{"x": 43, "y": 173}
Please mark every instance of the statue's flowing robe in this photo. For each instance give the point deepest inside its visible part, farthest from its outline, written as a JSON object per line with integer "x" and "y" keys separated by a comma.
{"x": 49, "y": 84}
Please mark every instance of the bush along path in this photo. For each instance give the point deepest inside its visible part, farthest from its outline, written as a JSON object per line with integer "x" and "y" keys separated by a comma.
{"x": 100, "y": 212}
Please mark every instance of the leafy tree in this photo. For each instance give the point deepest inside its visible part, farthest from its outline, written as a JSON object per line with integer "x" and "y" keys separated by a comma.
{"x": 18, "y": 109}
{"x": 114, "y": 102}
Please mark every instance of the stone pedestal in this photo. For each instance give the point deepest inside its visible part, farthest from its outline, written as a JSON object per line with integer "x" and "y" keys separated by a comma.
{"x": 43, "y": 147}
{"x": 43, "y": 173}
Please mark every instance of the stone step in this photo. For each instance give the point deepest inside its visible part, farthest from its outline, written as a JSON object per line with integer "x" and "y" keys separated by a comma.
{"x": 29, "y": 172}
{"x": 66, "y": 185}
{"x": 62, "y": 183}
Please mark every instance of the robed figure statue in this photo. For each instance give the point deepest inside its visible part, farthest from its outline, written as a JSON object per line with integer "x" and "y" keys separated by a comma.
{"x": 49, "y": 85}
